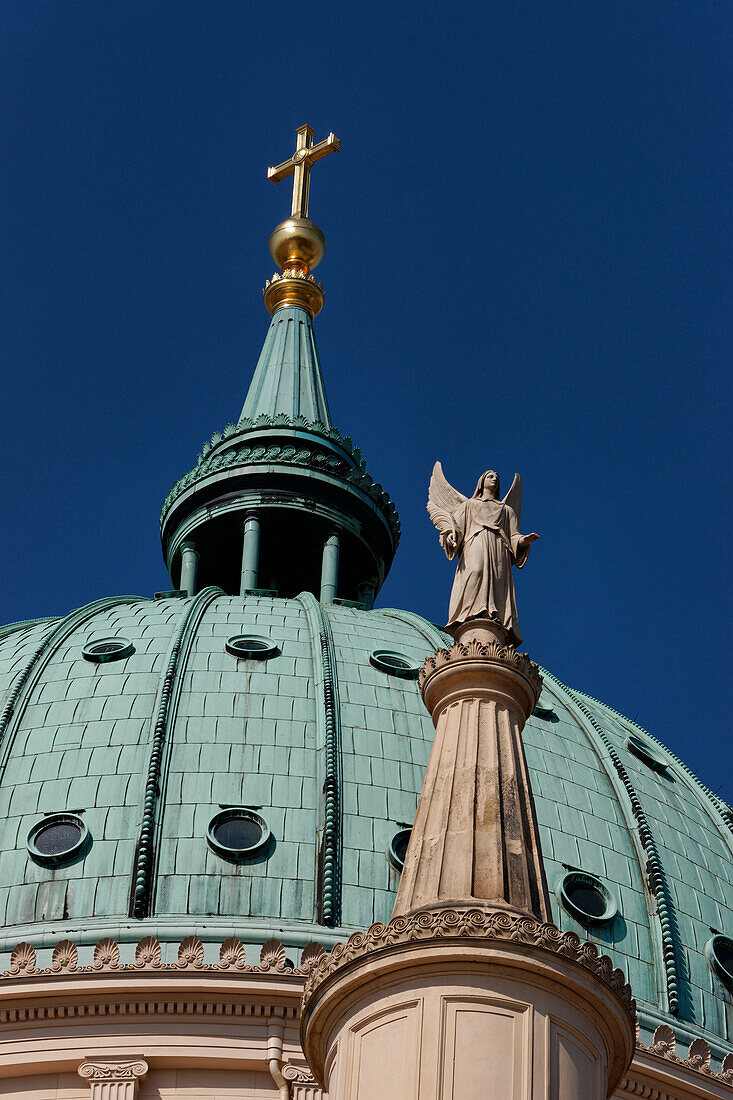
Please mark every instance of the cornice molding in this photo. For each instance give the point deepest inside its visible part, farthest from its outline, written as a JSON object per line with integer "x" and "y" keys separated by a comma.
{"x": 352, "y": 469}
{"x": 469, "y": 924}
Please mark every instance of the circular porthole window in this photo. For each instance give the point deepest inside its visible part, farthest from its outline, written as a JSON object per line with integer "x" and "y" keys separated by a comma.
{"x": 719, "y": 953}
{"x": 101, "y": 650}
{"x": 585, "y": 897}
{"x": 543, "y": 712}
{"x": 643, "y": 750}
{"x": 397, "y": 848}
{"x": 58, "y": 838}
{"x": 237, "y": 833}
{"x": 395, "y": 663}
{"x": 250, "y": 645}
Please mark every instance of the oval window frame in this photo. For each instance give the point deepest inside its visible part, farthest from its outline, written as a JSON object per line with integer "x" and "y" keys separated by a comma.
{"x": 125, "y": 650}
{"x": 717, "y": 967}
{"x": 58, "y": 859}
{"x": 267, "y": 648}
{"x": 379, "y": 659}
{"x": 645, "y": 752}
{"x": 392, "y": 856}
{"x": 237, "y": 855}
{"x": 574, "y": 910}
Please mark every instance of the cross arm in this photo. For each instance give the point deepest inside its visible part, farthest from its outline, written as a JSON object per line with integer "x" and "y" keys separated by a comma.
{"x": 281, "y": 172}
{"x": 322, "y": 148}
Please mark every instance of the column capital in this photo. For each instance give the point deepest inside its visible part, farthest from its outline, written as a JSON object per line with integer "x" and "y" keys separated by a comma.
{"x": 189, "y": 546}
{"x": 123, "y": 1072}
{"x": 479, "y": 668}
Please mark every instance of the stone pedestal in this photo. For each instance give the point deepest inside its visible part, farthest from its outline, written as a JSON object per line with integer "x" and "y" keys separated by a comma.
{"x": 464, "y": 1003}
{"x": 468, "y": 991}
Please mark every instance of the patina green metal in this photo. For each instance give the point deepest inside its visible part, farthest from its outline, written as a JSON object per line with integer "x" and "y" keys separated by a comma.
{"x": 347, "y": 465}
{"x": 288, "y": 377}
{"x": 32, "y": 668}
{"x": 671, "y": 946}
{"x": 329, "y": 882}
{"x": 254, "y": 733}
{"x": 144, "y": 860}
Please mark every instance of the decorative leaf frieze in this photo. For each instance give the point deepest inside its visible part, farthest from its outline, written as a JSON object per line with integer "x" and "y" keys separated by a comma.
{"x": 65, "y": 958}
{"x": 149, "y": 956}
{"x": 22, "y": 960}
{"x": 472, "y": 649}
{"x": 210, "y": 460}
{"x": 232, "y": 955}
{"x": 191, "y": 954}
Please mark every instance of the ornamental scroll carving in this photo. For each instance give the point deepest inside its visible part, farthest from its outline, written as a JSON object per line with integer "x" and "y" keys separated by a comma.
{"x": 103, "y": 1070}
{"x": 470, "y": 923}
{"x": 113, "y": 1078}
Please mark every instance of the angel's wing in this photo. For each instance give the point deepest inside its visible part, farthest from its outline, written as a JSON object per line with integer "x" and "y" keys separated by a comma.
{"x": 514, "y": 497}
{"x": 443, "y": 500}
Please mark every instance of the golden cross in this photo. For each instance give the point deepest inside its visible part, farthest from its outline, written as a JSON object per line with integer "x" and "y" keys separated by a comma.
{"x": 299, "y": 166}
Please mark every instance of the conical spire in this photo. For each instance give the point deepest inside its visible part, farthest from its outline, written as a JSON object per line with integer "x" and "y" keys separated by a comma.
{"x": 281, "y": 502}
{"x": 288, "y": 378}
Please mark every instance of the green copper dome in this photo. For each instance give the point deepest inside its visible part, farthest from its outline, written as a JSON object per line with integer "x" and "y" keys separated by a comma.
{"x": 329, "y": 750}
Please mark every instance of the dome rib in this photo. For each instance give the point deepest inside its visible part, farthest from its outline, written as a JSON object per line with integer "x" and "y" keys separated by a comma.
{"x": 328, "y": 720}
{"x": 25, "y": 624}
{"x": 721, "y": 807}
{"x": 671, "y": 946}
{"x": 31, "y": 671}
{"x": 144, "y": 869}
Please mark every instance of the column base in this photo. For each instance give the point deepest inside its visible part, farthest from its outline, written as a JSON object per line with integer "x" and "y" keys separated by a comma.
{"x": 463, "y": 1002}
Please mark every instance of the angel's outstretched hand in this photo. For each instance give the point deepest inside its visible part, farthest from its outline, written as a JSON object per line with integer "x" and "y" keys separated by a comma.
{"x": 527, "y": 540}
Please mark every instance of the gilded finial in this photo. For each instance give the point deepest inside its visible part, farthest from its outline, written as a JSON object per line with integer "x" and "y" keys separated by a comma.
{"x": 297, "y": 245}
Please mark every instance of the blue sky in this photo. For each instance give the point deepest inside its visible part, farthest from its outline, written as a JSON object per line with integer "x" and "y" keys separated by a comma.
{"x": 528, "y": 269}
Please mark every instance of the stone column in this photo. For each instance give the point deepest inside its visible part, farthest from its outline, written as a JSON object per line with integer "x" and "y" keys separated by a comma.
{"x": 250, "y": 554}
{"x": 469, "y": 991}
{"x": 189, "y": 568}
{"x": 330, "y": 568}
{"x": 113, "y": 1078}
{"x": 475, "y": 837}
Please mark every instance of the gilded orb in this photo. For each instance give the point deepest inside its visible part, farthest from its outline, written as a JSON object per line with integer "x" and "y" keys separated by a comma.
{"x": 297, "y": 242}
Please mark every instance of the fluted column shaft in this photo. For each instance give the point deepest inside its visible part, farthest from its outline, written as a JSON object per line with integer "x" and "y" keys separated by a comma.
{"x": 475, "y": 837}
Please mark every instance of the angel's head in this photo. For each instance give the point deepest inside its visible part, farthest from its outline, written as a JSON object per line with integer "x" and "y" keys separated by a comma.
{"x": 488, "y": 485}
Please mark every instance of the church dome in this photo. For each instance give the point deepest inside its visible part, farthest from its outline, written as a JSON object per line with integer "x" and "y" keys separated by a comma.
{"x": 243, "y": 755}
{"x": 324, "y": 740}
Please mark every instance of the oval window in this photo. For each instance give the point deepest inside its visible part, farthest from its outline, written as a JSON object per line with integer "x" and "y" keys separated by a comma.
{"x": 719, "y": 953}
{"x": 397, "y": 849}
{"x": 250, "y": 645}
{"x": 237, "y": 833}
{"x": 395, "y": 663}
{"x": 108, "y": 649}
{"x": 585, "y": 897}
{"x": 643, "y": 750}
{"x": 57, "y": 839}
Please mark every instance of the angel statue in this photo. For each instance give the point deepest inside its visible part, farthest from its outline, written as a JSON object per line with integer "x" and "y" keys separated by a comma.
{"x": 484, "y": 531}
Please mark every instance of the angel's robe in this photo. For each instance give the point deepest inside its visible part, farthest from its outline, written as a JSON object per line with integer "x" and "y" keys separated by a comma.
{"x": 488, "y": 545}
